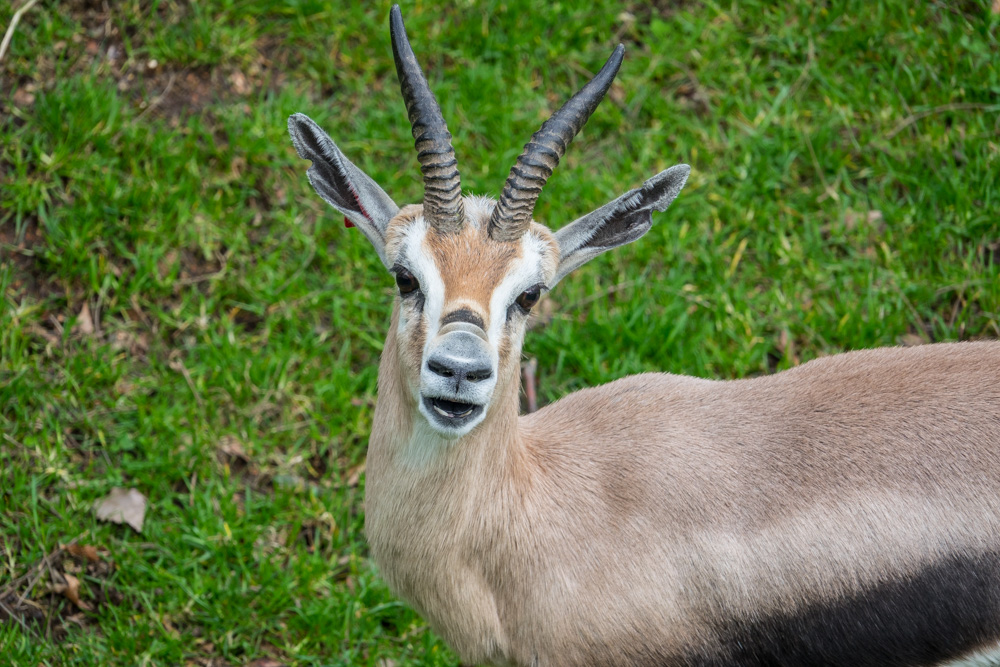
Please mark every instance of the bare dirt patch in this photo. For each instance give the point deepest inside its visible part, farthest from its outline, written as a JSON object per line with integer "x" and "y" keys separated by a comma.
{"x": 109, "y": 44}
{"x": 67, "y": 586}
{"x": 20, "y": 249}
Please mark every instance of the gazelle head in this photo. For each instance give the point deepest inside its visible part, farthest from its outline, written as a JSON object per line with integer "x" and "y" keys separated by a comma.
{"x": 469, "y": 269}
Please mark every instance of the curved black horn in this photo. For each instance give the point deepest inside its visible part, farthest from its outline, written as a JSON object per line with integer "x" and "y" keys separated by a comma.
{"x": 541, "y": 154}
{"x": 443, "y": 207}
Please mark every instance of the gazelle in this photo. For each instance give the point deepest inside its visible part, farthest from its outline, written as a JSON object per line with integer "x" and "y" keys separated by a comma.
{"x": 844, "y": 512}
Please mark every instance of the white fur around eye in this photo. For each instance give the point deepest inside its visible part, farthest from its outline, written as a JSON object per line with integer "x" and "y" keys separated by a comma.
{"x": 527, "y": 271}
{"x": 418, "y": 261}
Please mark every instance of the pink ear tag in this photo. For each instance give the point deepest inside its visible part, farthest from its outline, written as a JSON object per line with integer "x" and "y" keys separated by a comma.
{"x": 347, "y": 223}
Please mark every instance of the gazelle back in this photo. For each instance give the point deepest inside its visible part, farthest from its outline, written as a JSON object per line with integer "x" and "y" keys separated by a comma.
{"x": 844, "y": 512}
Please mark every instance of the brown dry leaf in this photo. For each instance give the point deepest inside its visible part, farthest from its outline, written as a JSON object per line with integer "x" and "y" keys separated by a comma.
{"x": 354, "y": 475}
{"x": 79, "y": 619}
{"x": 995, "y": 8}
{"x": 169, "y": 626}
{"x": 121, "y": 506}
{"x": 23, "y": 98}
{"x": 232, "y": 447}
{"x": 88, "y": 551}
{"x": 911, "y": 340}
{"x": 134, "y": 344}
{"x": 851, "y": 218}
{"x": 265, "y": 662}
{"x": 239, "y": 82}
{"x": 84, "y": 322}
{"x": 71, "y": 591}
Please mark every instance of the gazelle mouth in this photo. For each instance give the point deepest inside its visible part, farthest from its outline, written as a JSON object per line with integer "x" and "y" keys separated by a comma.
{"x": 452, "y": 414}
{"x": 452, "y": 409}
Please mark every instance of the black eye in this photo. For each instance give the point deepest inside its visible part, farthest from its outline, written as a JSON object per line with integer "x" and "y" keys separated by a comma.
{"x": 529, "y": 297}
{"x": 406, "y": 282}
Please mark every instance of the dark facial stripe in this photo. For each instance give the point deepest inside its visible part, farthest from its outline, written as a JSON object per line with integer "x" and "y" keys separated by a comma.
{"x": 939, "y": 613}
{"x": 463, "y": 315}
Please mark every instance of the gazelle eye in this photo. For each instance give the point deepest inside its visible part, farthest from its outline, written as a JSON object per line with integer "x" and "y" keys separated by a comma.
{"x": 406, "y": 282}
{"x": 529, "y": 297}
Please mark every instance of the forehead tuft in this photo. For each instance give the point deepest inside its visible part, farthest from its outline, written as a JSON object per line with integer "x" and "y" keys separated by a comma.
{"x": 471, "y": 264}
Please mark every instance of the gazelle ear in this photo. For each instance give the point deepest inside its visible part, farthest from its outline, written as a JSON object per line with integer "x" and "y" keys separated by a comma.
{"x": 341, "y": 184}
{"x": 619, "y": 222}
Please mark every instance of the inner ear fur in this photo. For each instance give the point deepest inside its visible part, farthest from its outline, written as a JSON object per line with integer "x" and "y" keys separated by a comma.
{"x": 618, "y": 222}
{"x": 338, "y": 181}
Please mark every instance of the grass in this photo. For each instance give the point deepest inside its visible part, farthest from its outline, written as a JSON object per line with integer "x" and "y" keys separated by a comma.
{"x": 844, "y": 195}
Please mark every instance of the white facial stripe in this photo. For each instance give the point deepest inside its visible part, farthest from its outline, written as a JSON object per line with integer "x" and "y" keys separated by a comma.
{"x": 525, "y": 273}
{"x": 419, "y": 263}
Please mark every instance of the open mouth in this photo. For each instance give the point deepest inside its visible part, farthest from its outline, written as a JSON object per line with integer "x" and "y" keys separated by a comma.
{"x": 452, "y": 413}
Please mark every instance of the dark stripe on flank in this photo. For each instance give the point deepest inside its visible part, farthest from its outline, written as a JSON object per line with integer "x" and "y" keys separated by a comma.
{"x": 943, "y": 612}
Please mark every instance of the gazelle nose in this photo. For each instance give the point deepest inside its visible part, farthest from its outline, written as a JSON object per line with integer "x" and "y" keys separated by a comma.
{"x": 461, "y": 356}
{"x": 459, "y": 368}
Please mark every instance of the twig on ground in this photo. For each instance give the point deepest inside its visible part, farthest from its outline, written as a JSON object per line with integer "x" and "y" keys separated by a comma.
{"x": 528, "y": 369}
{"x": 12, "y": 614}
{"x": 222, "y": 258}
{"x": 944, "y": 108}
{"x": 624, "y": 285}
{"x": 699, "y": 94}
{"x": 138, "y": 311}
{"x": 179, "y": 366}
{"x": 810, "y": 60}
{"x": 35, "y": 572}
{"x": 155, "y": 102}
{"x": 14, "y": 20}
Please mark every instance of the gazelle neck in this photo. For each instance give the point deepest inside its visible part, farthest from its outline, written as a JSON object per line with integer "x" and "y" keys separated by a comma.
{"x": 431, "y": 500}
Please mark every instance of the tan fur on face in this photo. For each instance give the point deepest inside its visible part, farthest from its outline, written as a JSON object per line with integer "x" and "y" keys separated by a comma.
{"x": 471, "y": 266}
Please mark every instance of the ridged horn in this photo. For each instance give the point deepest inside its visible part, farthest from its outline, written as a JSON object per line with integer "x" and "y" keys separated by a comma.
{"x": 541, "y": 154}
{"x": 443, "y": 207}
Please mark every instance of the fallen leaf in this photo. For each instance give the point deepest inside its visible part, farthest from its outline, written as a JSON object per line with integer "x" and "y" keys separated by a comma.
{"x": 121, "y": 506}
{"x": 23, "y": 98}
{"x": 79, "y": 619}
{"x": 88, "y": 551}
{"x": 265, "y": 662}
{"x": 354, "y": 475}
{"x": 851, "y": 218}
{"x": 71, "y": 591}
{"x": 996, "y": 7}
{"x": 239, "y": 82}
{"x": 169, "y": 626}
{"x": 233, "y": 448}
{"x": 84, "y": 321}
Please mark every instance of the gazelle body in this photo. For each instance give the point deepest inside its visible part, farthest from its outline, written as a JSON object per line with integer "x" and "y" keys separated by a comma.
{"x": 844, "y": 512}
